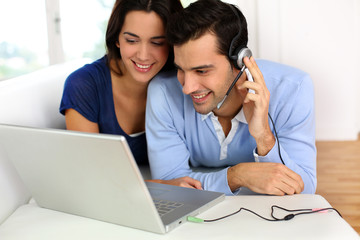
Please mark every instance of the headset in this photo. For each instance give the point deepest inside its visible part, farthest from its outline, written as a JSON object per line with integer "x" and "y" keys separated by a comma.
{"x": 236, "y": 57}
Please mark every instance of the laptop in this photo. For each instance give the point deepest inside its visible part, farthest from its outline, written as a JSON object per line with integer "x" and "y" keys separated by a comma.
{"x": 96, "y": 176}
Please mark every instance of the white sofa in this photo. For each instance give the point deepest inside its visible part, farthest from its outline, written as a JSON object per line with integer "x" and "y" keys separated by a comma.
{"x": 29, "y": 100}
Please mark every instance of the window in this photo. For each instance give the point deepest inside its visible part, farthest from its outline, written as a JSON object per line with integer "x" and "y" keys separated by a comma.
{"x": 26, "y": 27}
{"x": 24, "y": 34}
{"x": 23, "y": 38}
{"x": 83, "y": 27}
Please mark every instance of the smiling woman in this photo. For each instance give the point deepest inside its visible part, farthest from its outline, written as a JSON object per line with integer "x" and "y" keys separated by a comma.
{"x": 109, "y": 95}
{"x": 142, "y": 46}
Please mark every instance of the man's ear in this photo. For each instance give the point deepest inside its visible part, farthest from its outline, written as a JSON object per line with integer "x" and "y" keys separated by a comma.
{"x": 234, "y": 70}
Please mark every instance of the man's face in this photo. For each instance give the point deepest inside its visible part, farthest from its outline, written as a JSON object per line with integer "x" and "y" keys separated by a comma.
{"x": 203, "y": 72}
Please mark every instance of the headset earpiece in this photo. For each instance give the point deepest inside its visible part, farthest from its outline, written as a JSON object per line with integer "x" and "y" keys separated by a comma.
{"x": 241, "y": 53}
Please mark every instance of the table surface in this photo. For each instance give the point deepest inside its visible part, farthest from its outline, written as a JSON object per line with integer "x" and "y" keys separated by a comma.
{"x": 39, "y": 223}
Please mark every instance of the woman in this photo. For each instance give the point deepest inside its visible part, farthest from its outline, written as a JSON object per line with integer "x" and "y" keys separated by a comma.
{"x": 109, "y": 95}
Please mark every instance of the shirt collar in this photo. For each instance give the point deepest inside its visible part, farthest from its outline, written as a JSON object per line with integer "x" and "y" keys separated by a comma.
{"x": 205, "y": 116}
{"x": 239, "y": 117}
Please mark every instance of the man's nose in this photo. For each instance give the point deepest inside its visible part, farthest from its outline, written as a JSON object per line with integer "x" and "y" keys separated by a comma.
{"x": 189, "y": 83}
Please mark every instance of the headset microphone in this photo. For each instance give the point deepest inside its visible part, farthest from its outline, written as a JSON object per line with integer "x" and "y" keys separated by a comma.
{"x": 239, "y": 64}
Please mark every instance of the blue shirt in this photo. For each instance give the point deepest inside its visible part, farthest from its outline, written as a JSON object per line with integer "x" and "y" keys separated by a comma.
{"x": 179, "y": 138}
{"x": 88, "y": 90}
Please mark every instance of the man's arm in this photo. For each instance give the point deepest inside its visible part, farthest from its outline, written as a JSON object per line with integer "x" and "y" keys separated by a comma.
{"x": 294, "y": 114}
{"x": 267, "y": 178}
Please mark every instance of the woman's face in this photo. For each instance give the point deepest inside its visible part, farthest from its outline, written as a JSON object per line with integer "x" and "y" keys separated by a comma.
{"x": 143, "y": 47}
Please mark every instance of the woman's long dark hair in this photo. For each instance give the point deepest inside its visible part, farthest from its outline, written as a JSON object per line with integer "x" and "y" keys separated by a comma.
{"x": 163, "y": 8}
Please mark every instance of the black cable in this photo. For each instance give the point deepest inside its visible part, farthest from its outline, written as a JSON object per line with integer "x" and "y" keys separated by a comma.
{"x": 245, "y": 209}
{"x": 302, "y": 211}
{"x": 277, "y": 139}
{"x": 273, "y": 219}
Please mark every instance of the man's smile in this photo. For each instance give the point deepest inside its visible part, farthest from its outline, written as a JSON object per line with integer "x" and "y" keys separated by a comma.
{"x": 198, "y": 98}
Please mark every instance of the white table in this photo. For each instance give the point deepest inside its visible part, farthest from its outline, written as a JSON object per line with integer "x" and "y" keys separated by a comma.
{"x": 32, "y": 222}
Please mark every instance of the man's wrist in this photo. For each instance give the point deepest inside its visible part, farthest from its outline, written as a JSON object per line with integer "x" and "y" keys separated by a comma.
{"x": 265, "y": 144}
{"x": 234, "y": 178}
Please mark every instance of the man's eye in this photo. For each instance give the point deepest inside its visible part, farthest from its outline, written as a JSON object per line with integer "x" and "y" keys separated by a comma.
{"x": 201, "y": 71}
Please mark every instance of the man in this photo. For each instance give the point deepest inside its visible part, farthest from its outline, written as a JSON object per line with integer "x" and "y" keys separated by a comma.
{"x": 236, "y": 144}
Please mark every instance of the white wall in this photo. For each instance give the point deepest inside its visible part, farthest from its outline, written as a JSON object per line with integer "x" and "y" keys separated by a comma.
{"x": 321, "y": 37}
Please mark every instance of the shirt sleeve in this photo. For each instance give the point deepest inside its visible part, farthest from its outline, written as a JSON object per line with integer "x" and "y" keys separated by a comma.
{"x": 295, "y": 126}
{"x": 167, "y": 150}
{"x": 80, "y": 94}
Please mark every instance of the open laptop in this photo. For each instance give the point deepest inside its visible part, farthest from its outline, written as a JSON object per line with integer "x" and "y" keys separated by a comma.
{"x": 96, "y": 176}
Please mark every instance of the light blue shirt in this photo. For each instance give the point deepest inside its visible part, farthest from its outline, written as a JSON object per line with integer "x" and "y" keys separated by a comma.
{"x": 180, "y": 139}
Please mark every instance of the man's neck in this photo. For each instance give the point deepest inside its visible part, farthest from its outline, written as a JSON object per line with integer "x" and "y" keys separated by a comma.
{"x": 230, "y": 108}
{"x": 227, "y": 112}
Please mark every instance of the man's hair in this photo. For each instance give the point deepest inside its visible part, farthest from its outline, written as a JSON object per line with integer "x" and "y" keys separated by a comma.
{"x": 204, "y": 16}
{"x": 163, "y": 8}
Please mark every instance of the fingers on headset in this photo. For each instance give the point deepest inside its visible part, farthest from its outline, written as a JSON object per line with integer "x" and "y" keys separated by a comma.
{"x": 254, "y": 70}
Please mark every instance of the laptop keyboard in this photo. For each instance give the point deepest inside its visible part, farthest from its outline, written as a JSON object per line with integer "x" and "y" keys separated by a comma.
{"x": 164, "y": 206}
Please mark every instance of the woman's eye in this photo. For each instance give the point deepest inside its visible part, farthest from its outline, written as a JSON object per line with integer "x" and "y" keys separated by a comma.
{"x": 131, "y": 40}
{"x": 158, "y": 43}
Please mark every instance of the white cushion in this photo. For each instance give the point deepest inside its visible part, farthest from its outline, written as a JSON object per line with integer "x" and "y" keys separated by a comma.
{"x": 34, "y": 99}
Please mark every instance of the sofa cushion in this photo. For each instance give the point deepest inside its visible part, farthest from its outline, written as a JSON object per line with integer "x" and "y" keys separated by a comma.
{"x": 34, "y": 99}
